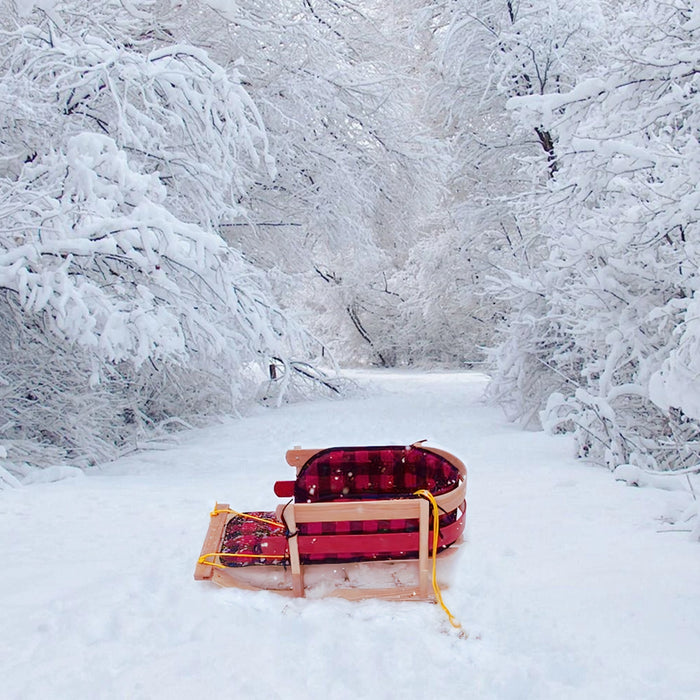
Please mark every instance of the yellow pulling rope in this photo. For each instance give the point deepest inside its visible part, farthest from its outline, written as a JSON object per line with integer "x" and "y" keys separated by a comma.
{"x": 249, "y": 516}
{"x": 203, "y": 558}
{"x": 274, "y": 523}
{"x": 424, "y": 493}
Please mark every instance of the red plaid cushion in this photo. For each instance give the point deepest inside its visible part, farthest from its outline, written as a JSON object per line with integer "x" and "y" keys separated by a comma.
{"x": 373, "y": 472}
{"x": 358, "y": 473}
{"x": 246, "y": 536}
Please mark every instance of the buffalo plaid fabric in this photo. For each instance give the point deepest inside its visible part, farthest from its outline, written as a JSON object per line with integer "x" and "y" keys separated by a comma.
{"x": 244, "y": 535}
{"x": 362, "y": 472}
{"x": 358, "y": 473}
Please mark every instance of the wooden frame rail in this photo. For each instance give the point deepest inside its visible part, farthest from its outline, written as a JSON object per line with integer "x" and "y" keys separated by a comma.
{"x": 353, "y": 511}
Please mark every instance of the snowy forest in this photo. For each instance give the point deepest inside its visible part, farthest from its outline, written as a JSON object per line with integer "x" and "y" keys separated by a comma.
{"x": 210, "y": 203}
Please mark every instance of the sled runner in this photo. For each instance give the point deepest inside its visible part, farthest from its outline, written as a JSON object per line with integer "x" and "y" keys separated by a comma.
{"x": 354, "y": 515}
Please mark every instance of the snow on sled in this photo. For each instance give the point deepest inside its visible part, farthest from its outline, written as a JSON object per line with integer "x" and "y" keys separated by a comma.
{"x": 361, "y": 522}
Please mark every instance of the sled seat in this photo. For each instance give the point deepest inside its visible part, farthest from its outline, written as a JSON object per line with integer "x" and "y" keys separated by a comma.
{"x": 339, "y": 475}
{"x": 348, "y": 504}
{"x": 254, "y": 538}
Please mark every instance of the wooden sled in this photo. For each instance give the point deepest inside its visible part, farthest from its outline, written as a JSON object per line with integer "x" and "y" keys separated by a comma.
{"x": 354, "y": 515}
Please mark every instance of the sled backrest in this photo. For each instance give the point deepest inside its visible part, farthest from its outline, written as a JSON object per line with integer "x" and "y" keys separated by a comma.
{"x": 367, "y": 473}
{"x": 360, "y": 503}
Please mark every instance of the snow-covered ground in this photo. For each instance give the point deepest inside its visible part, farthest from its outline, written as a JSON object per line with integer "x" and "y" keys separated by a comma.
{"x": 569, "y": 584}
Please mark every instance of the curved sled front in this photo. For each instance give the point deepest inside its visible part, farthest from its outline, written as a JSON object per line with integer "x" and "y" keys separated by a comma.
{"x": 351, "y": 507}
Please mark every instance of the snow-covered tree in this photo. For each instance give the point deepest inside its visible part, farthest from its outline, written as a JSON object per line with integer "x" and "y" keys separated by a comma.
{"x": 339, "y": 89}
{"x": 482, "y": 54}
{"x": 121, "y": 156}
{"x": 621, "y": 223}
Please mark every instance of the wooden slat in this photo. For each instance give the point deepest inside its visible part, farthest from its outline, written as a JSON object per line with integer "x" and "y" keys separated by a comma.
{"x": 452, "y": 499}
{"x": 298, "y": 457}
{"x": 212, "y": 542}
{"x": 293, "y": 542}
{"x": 231, "y": 578}
{"x": 390, "y": 509}
{"x": 335, "y": 511}
{"x": 393, "y": 593}
{"x": 423, "y": 551}
{"x": 454, "y": 461}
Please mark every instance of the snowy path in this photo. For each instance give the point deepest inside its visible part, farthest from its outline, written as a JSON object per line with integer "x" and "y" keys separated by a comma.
{"x": 565, "y": 585}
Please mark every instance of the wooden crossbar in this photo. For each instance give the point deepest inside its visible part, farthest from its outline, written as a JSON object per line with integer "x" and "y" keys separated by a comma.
{"x": 338, "y": 511}
{"x": 212, "y": 541}
{"x": 352, "y": 511}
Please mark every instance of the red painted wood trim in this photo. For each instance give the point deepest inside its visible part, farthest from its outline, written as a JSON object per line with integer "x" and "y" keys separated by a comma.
{"x": 284, "y": 489}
